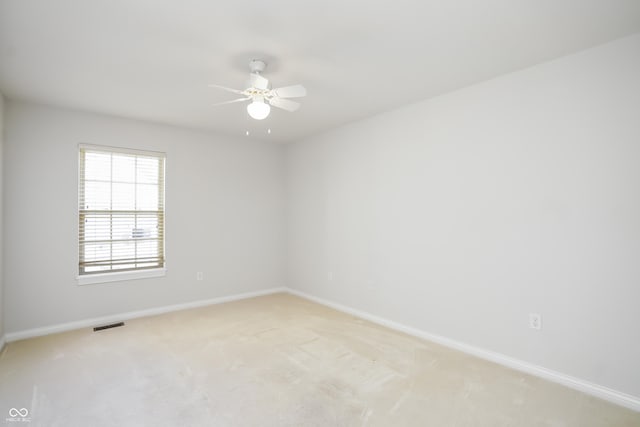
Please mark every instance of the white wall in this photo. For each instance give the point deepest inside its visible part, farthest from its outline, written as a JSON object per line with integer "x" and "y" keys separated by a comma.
{"x": 224, "y": 216}
{"x": 1, "y": 220}
{"x": 462, "y": 214}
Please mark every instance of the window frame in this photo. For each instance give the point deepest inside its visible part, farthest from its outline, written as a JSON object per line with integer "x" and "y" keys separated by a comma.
{"x": 119, "y": 275}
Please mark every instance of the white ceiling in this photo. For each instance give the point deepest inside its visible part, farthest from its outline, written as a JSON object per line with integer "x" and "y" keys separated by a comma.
{"x": 153, "y": 59}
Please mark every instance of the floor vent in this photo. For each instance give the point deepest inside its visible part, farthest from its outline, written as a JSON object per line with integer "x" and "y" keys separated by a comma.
{"x": 113, "y": 325}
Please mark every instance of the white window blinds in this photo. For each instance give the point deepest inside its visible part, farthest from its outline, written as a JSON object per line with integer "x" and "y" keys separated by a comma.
{"x": 121, "y": 210}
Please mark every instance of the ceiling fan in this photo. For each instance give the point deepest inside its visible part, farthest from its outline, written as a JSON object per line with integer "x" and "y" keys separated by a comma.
{"x": 261, "y": 95}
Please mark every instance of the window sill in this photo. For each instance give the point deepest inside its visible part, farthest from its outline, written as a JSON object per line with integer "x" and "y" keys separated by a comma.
{"x": 90, "y": 279}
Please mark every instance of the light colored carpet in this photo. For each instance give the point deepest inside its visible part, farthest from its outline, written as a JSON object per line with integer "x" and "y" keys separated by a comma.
{"x": 277, "y": 360}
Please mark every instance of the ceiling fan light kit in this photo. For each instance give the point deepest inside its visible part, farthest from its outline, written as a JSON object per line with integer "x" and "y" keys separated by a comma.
{"x": 258, "y": 109}
{"x": 261, "y": 95}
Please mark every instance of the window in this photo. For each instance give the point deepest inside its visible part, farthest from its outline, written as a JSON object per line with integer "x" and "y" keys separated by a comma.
{"x": 121, "y": 213}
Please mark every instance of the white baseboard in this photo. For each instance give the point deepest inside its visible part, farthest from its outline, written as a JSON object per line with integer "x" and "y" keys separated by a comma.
{"x": 63, "y": 327}
{"x": 613, "y": 396}
{"x": 2, "y": 343}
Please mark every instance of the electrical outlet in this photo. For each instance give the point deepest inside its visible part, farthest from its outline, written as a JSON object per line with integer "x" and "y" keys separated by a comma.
{"x": 535, "y": 321}
{"x": 199, "y": 275}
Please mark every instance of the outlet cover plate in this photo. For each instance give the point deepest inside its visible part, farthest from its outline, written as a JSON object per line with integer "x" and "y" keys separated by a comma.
{"x": 535, "y": 321}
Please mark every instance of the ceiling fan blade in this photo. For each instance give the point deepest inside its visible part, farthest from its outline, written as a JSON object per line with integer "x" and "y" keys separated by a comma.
{"x": 228, "y": 89}
{"x": 285, "y": 104}
{"x": 232, "y": 101}
{"x": 258, "y": 82}
{"x": 295, "y": 91}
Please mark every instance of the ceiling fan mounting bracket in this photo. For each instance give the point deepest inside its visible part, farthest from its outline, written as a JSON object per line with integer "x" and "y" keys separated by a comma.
{"x": 257, "y": 66}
